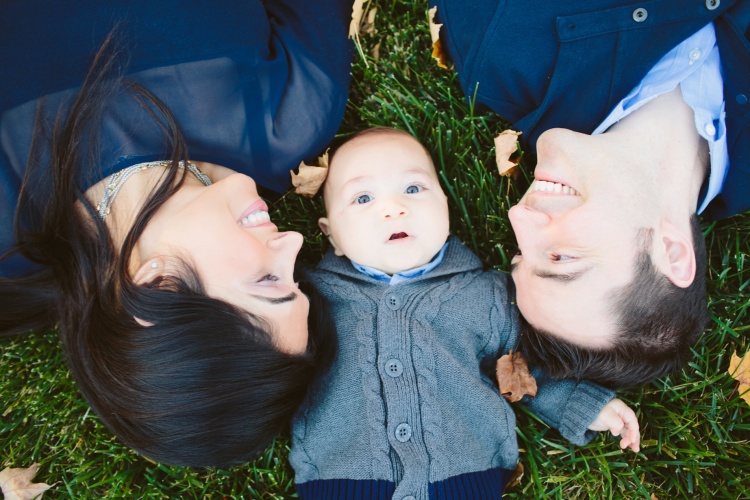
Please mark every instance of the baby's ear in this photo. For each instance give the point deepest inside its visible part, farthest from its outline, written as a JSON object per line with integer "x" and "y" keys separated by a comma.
{"x": 326, "y": 228}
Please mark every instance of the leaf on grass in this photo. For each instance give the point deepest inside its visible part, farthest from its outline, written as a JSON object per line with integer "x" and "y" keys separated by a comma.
{"x": 513, "y": 377}
{"x": 437, "y": 47}
{"x": 368, "y": 27}
{"x": 516, "y": 477}
{"x": 16, "y": 483}
{"x": 307, "y": 183}
{"x": 506, "y": 147}
{"x": 739, "y": 369}
{"x": 358, "y": 12}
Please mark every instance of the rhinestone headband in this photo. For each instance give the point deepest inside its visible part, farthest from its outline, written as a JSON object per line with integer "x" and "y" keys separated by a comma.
{"x": 118, "y": 179}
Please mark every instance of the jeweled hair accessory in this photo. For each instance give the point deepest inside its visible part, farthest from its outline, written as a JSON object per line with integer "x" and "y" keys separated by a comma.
{"x": 118, "y": 179}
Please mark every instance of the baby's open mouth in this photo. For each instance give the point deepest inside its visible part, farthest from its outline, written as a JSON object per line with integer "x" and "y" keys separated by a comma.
{"x": 398, "y": 236}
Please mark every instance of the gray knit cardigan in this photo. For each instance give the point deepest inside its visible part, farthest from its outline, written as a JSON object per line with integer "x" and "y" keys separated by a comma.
{"x": 406, "y": 400}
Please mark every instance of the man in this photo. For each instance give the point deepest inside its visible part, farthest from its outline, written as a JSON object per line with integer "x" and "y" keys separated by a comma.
{"x": 638, "y": 112}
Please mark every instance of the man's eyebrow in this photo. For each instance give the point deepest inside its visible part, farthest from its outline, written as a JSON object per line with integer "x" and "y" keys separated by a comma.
{"x": 276, "y": 300}
{"x": 562, "y": 277}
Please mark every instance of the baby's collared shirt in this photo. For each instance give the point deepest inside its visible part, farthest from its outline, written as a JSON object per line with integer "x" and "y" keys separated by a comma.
{"x": 403, "y": 275}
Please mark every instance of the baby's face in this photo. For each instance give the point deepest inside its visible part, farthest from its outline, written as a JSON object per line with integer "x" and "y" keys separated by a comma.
{"x": 385, "y": 208}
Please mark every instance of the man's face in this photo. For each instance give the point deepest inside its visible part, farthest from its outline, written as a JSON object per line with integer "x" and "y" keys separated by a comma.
{"x": 577, "y": 228}
{"x": 385, "y": 207}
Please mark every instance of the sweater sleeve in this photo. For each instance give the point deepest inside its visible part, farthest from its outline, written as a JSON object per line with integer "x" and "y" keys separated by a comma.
{"x": 568, "y": 406}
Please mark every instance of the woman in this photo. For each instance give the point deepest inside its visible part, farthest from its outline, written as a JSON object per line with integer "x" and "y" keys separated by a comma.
{"x": 173, "y": 291}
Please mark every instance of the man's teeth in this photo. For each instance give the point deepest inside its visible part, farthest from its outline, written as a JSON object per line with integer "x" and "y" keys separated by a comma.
{"x": 553, "y": 187}
{"x": 255, "y": 219}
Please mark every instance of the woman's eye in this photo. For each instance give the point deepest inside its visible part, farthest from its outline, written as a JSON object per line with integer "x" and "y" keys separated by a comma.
{"x": 362, "y": 199}
{"x": 414, "y": 188}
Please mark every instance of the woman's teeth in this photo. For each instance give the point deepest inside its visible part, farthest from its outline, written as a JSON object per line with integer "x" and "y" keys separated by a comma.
{"x": 255, "y": 219}
{"x": 553, "y": 187}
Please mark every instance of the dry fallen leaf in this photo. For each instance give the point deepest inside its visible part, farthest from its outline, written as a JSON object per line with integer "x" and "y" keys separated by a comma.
{"x": 739, "y": 369}
{"x": 513, "y": 377}
{"x": 368, "y": 27}
{"x": 506, "y": 145}
{"x": 515, "y": 478}
{"x": 16, "y": 483}
{"x": 437, "y": 48}
{"x": 310, "y": 178}
{"x": 357, "y": 13}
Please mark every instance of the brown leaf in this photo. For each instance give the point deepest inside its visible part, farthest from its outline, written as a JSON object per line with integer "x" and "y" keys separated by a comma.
{"x": 437, "y": 47}
{"x": 358, "y": 13}
{"x": 16, "y": 484}
{"x": 375, "y": 54}
{"x": 310, "y": 178}
{"x": 368, "y": 27}
{"x": 506, "y": 146}
{"x": 513, "y": 377}
{"x": 739, "y": 369}
{"x": 517, "y": 475}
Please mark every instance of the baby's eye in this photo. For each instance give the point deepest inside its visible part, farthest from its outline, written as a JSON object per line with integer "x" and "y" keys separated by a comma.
{"x": 362, "y": 199}
{"x": 268, "y": 277}
{"x": 414, "y": 188}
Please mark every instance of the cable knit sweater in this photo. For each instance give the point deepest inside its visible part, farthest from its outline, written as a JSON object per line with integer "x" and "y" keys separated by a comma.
{"x": 407, "y": 410}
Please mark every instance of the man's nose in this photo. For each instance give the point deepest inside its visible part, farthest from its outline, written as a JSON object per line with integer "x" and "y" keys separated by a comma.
{"x": 524, "y": 217}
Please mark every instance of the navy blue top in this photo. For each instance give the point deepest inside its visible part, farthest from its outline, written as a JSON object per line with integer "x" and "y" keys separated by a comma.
{"x": 256, "y": 87}
{"x": 567, "y": 64}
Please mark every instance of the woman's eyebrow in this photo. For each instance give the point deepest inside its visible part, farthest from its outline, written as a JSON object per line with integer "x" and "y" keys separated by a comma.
{"x": 277, "y": 300}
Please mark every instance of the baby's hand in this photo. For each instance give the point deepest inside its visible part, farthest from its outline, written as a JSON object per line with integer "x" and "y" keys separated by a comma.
{"x": 617, "y": 418}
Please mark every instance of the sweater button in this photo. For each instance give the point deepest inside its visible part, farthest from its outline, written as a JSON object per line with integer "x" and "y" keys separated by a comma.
{"x": 741, "y": 99}
{"x": 394, "y": 368}
{"x": 713, "y": 4}
{"x": 640, "y": 14}
{"x": 403, "y": 433}
{"x": 393, "y": 301}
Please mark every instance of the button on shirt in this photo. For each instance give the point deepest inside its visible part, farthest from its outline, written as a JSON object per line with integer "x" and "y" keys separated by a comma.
{"x": 404, "y": 275}
{"x": 695, "y": 66}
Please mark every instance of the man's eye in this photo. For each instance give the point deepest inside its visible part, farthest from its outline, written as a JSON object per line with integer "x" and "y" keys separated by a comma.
{"x": 362, "y": 199}
{"x": 414, "y": 188}
{"x": 561, "y": 258}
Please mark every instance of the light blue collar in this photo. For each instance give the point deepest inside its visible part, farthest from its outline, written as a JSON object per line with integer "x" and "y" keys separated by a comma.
{"x": 404, "y": 275}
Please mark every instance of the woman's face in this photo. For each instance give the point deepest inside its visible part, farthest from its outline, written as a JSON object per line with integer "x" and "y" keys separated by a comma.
{"x": 224, "y": 232}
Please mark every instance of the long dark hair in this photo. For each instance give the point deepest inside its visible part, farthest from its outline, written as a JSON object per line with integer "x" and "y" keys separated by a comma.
{"x": 204, "y": 385}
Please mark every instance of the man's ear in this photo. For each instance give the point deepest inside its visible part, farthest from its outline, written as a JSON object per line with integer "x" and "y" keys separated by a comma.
{"x": 326, "y": 228}
{"x": 677, "y": 255}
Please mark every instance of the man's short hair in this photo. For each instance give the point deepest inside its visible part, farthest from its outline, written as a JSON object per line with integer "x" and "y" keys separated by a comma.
{"x": 657, "y": 324}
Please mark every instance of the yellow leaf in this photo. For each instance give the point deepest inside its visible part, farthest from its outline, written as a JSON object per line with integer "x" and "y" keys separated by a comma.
{"x": 506, "y": 145}
{"x": 310, "y": 178}
{"x": 513, "y": 377}
{"x": 16, "y": 484}
{"x": 739, "y": 369}
{"x": 357, "y": 13}
{"x": 437, "y": 47}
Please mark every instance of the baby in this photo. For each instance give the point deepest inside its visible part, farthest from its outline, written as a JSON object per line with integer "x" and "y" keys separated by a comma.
{"x": 407, "y": 410}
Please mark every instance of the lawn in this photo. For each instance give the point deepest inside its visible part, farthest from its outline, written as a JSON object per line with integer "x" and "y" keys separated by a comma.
{"x": 695, "y": 428}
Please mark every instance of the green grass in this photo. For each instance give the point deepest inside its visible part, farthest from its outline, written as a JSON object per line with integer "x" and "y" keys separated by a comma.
{"x": 696, "y": 430}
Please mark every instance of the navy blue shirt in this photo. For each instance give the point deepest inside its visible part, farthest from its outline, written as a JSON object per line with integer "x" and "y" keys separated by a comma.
{"x": 256, "y": 87}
